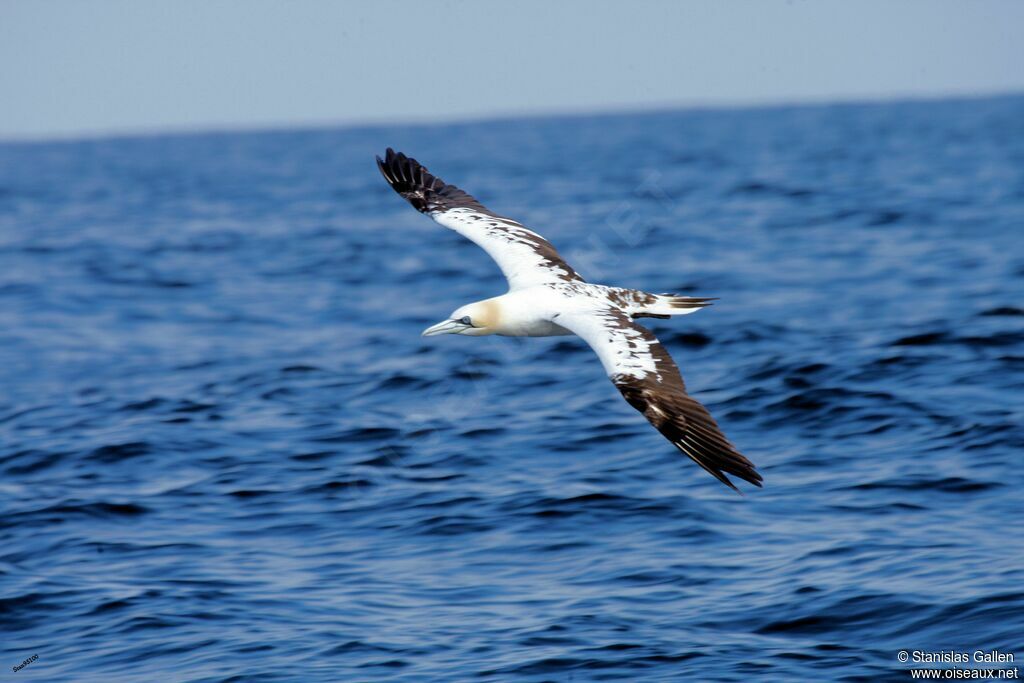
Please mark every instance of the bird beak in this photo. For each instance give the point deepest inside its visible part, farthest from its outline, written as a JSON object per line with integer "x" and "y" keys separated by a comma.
{"x": 444, "y": 327}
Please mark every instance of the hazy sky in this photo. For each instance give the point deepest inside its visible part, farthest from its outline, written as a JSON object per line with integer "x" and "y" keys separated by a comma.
{"x": 76, "y": 67}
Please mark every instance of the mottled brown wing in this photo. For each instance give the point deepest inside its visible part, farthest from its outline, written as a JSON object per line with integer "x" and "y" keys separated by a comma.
{"x": 640, "y": 367}
{"x": 524, "y": 257}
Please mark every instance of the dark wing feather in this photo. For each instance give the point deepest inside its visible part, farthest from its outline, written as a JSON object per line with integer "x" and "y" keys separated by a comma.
{"x": 640, "y": 367}
{"x": 524, "y": 257}
{"x": 425, "y": 191}
{"x": 689, "y": 426}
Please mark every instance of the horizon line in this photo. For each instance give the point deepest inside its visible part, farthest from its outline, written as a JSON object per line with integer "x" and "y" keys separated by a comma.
{"x": 310, "y": 125}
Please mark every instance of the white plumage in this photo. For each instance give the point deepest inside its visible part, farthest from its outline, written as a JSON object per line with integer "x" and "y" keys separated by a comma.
{"x": 513, "y": 247}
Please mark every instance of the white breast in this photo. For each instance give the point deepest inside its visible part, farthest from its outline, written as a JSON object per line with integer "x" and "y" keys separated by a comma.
{"x": 529, "y": 313}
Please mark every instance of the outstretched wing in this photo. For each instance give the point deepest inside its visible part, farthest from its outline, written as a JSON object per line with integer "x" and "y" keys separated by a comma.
{"x": 640, "y": 367}
{"x": 524, "y": 257}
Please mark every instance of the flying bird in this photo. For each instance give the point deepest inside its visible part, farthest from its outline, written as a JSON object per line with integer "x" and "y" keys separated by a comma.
{"x": 546, "y": 297}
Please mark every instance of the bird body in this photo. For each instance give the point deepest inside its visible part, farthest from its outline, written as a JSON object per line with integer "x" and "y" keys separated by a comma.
{"x": 529, "y": 312}
{"x": 547, "y": 297}
{"x": 532, "y": 311}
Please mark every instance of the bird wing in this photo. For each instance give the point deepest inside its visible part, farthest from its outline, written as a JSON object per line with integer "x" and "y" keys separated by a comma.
{"x": 640, "y": 367}
{"x": 524, "y": 257}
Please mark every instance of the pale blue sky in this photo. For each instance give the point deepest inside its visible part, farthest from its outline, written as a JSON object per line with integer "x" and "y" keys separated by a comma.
{"x": 77, "y": 68}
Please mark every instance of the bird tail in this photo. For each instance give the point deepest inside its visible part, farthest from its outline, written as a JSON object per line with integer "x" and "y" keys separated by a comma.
{"x": 665, "y": 305}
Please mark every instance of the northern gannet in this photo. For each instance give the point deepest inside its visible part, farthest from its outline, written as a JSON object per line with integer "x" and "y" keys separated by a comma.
{"x": 546, "y": 297}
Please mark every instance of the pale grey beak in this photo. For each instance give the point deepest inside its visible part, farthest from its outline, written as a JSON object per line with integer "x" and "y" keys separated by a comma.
{"x": 444, "y": 327}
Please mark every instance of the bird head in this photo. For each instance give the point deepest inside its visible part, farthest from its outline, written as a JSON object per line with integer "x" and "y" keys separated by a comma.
{"x": 473, "y": 320}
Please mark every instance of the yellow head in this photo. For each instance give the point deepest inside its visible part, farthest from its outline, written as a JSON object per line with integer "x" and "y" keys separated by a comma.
{"x": 474, "y": 320}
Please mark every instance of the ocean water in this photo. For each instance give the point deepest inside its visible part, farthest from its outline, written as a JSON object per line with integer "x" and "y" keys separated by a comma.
{"x": 226, "y": 454}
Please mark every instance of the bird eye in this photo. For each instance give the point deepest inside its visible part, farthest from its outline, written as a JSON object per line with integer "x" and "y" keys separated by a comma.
{"x": 465, "y": 320}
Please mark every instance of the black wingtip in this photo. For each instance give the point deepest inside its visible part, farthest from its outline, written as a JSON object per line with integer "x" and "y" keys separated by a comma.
{"x": 744, "y": 471}
{"x": 753, "y": 477}
{"x": 719, "y": 461}
{"x": 425, "y": 191}
{"x": 725, "y": 480}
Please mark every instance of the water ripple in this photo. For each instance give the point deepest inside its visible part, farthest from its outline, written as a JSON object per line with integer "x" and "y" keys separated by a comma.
{"x": 228, "y": 455}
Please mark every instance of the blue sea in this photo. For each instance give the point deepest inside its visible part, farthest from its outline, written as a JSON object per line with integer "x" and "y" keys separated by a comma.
{"x": 226, "y": 453}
